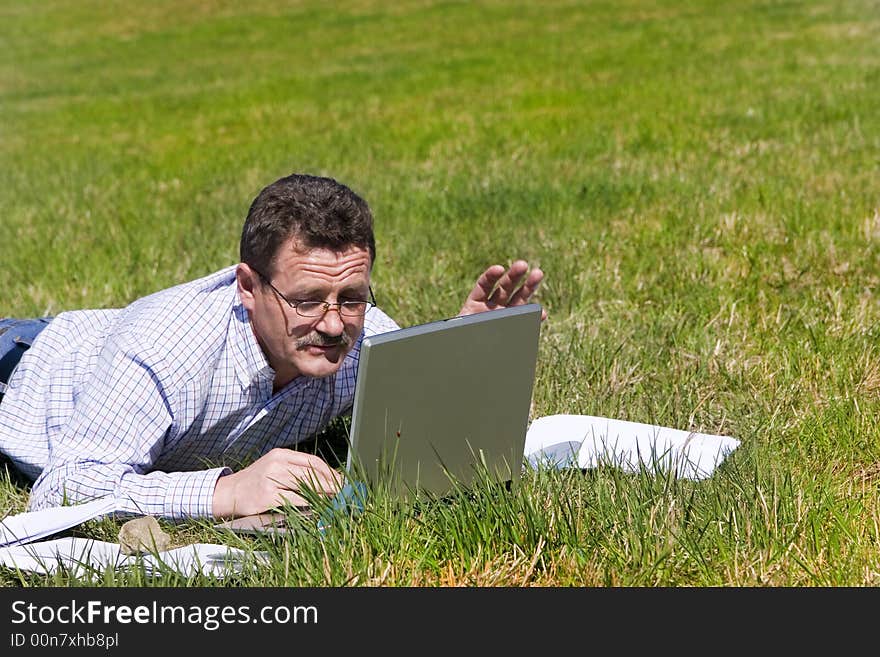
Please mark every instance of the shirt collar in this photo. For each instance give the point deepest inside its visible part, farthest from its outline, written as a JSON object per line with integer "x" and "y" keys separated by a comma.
{"x": 251, "y": 365}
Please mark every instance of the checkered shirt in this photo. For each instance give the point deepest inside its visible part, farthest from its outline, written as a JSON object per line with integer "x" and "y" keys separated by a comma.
{"x": 154, "y": 402}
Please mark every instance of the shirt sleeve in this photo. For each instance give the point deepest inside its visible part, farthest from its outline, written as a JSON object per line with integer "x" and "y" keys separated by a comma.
{"x": 115, "y": 435}
{"x": 376, "y": 321}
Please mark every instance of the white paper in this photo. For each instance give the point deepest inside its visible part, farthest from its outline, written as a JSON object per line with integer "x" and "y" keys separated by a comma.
{"x": 84, "y": 556}
{"x": 586, "y": 441}
{"x": 205, "y": 558}
{"x": 34, "y": 525}
{"x": 20, "y": 535}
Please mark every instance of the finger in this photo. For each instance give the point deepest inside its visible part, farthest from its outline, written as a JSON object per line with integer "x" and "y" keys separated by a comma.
{"x": 529, "y": 287}
{"x": 313, "y": 471}
{"x": 313, "y": 461}
{"x": 486, "y": 283}
{"x": 291, "y": 498}
{"x": 298, "y": 480}
{"x": 328, "y": 482}
{"x": 508, "y": 283}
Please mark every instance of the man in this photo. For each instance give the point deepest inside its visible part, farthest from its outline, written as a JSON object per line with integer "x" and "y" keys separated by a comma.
{"x": 154, "y": 403}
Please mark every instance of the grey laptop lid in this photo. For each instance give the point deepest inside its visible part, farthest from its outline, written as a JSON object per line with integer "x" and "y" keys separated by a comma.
{"x": 445, "y": 401}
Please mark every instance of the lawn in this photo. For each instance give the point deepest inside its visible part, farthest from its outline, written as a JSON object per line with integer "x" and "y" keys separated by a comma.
{"x": 699, "y": 181}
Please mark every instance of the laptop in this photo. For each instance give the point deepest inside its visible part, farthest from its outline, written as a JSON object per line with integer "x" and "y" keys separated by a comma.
{"x": 441, "y": 405}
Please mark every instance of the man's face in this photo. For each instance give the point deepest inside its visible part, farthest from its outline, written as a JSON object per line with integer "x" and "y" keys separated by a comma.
{"x": 310, "y": 346}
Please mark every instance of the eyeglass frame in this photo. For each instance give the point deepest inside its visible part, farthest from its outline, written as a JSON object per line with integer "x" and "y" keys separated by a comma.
{"x": 327, "y": 304}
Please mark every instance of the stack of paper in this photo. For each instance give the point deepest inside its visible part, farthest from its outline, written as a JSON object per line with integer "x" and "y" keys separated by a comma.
{"x": 585, "y": 441}
{"x": 21, "y": 535}
{"x": 85, "y": 556}
{"x": 34, "y": 525}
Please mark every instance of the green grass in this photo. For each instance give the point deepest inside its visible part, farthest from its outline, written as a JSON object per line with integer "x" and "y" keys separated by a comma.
{"x": 700, "y": 182}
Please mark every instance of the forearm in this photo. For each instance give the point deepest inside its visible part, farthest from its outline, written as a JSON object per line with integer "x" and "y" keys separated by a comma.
{"x": 175, "y": 495}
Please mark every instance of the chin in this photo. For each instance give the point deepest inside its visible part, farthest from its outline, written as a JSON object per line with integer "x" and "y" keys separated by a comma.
{"x": 320, "y": 366}
{"x": 328, "y": 369}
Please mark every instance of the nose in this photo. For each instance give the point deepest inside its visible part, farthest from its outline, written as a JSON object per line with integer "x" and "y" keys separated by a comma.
{"x": 331, "y": 322}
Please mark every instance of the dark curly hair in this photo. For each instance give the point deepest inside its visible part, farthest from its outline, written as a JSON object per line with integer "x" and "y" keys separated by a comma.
{"x": 318, "y": 212}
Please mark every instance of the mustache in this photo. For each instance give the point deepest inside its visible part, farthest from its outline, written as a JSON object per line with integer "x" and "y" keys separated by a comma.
{"x": 319, "y": 339}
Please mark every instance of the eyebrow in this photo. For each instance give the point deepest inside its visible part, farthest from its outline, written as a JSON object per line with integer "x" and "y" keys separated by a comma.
{"x": 319, "y": 295}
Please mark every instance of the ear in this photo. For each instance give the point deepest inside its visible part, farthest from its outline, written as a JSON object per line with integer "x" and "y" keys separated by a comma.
{"x": 248, "y": 282}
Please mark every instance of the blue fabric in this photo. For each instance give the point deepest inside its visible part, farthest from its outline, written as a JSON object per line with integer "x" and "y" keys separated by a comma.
{"x": 16, "y": 337}
{"x": 350, "y": 500}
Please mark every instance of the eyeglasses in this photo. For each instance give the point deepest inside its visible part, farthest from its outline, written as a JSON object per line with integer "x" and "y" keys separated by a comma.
{"x": 319, "y": 308}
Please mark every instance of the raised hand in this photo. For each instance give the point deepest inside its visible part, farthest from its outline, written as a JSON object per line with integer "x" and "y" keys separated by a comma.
{"x": 499, "y": 288}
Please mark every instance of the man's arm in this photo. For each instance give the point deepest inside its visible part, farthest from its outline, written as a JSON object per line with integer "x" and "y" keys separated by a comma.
{"x": 499, "y": 288}
{"x": 112, "y": 440}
